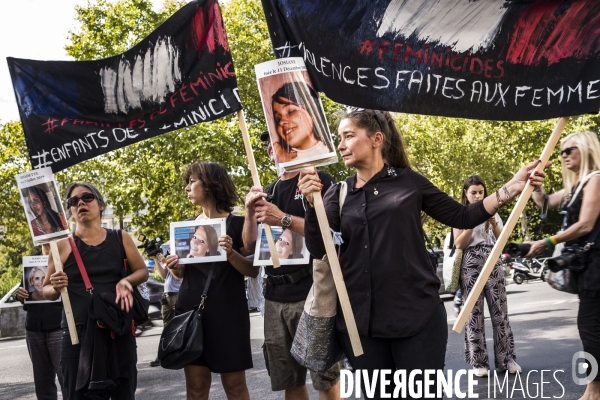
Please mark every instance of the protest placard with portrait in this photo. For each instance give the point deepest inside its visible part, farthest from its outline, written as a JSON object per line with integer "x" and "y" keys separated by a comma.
{"x": 295, "y": 118}
{"x": 198, "y": 241}
{"x": 34, "y": 273}
{"x": 290, "y": 247}
{"x": 43, "y": 208}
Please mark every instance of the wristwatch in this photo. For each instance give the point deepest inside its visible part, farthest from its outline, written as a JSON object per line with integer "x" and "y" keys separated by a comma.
{"x": 286, "y": 221}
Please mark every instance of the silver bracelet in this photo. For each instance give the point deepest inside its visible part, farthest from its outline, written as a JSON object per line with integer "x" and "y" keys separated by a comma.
{"x": 506, "y": 193}
{"x": 499, "y": 200}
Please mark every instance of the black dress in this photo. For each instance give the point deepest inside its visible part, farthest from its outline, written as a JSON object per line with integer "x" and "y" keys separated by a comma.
{"x": 225, "y": 320}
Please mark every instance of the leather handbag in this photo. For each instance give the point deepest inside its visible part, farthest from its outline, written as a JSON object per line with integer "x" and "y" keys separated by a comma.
{"x": 141, "y": 296}
{"x": 315, "y": 344}
{"x": 182, "y": 340}
{"x": 452, "y": 264}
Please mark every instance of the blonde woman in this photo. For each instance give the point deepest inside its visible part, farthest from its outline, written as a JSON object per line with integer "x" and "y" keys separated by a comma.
{"x": 580, "y": 159}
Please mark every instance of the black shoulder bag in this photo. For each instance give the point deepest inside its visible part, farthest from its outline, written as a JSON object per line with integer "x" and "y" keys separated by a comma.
{"x": 182, "y": 340}
{"x": 140, "y": 303}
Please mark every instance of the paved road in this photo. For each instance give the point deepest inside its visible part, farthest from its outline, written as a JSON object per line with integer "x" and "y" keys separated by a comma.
{"x": 543, "y": 322}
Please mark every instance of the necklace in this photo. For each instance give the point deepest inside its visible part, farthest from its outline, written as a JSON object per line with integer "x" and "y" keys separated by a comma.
{"x": 375, "y": 192}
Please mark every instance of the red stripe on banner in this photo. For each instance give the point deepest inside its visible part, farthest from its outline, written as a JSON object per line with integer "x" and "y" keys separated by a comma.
{"x": 546, "y": 31}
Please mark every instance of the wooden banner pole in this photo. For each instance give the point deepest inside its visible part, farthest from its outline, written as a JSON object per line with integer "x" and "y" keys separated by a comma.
{"x": 256, "y": 182}
{"x": 64, "y": 294}
{"x": 338, "y": 278}
{"x": 507, "y": 230}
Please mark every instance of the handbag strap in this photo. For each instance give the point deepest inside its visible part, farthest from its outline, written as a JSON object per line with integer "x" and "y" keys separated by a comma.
{"x": 123, "y": 252}
{"x": 451, "y": 243}
{"x": 581, "y": 185}
{"x": 592, "y": 238}
{"x": 343, "y": 194}
{"x": 212, "y": 268}
{"x": 82, "y": 271}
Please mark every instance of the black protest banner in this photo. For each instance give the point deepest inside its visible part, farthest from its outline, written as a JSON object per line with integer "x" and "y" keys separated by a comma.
{"x": 496, "y": 60}
{"x": 180, "y": 75}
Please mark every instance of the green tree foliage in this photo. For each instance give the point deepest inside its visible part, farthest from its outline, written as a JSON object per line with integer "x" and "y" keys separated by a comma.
{"x": 16, "y": 241}
{"x": 145, "y": 180}
{"x": 147, "y": 176}
{"x": 448, "y": 150}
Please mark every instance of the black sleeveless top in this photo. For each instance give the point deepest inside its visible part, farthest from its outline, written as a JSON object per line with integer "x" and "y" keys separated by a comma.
{"x": 103, "y": 264}
{"x": 589, "y": 278}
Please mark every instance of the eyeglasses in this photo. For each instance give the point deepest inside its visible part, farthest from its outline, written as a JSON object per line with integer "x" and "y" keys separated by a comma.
{"x": 86, "y": 197}
{"x": 567, "y": 151}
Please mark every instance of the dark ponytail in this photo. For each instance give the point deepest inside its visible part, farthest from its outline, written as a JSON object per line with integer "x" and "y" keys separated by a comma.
{"x": 393, "y": 150}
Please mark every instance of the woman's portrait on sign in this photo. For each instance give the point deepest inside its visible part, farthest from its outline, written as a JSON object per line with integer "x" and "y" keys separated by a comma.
{"x": 197, "y": 241}
{"x": 289, "y": 246}
{"x": 44, "y": 218}
{"x": 34, "y": 273}
{"x": 42, "y": 205}
{"x": 296, "y": 121}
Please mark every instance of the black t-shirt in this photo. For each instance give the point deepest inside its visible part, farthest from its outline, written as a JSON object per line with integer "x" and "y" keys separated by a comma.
{"x": 288, "y": 198}
{"x": 43, "y": 317}
{"x": 103, "y": 264}
{"x": 392, "y": 288}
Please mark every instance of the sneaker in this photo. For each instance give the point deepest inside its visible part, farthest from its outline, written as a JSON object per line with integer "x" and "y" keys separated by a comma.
{"x": 513, "y": 367}
{"x": 155, "y": 363}
{"x": 480, "y": 372}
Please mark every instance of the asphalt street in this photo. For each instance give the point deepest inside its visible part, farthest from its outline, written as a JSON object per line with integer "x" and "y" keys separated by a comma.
{"x": 543, "y": 322}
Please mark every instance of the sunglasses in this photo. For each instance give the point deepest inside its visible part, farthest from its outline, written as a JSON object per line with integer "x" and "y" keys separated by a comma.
{"x": 86, "y": 197}
{"x": 567, "y": 151}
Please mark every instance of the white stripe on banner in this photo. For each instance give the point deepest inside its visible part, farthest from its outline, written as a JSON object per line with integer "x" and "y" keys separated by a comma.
{"x": 460, "y": 24}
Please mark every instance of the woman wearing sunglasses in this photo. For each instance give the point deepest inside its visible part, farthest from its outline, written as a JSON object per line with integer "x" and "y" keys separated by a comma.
{"x": 580, "y": 159}
{"x": 102, "y": 255}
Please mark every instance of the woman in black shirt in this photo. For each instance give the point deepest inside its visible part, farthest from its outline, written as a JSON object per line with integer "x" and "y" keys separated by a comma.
{"x": 43, "y": 337}
{"x": 225, "y": 319}
{"x": 392, "y": 286}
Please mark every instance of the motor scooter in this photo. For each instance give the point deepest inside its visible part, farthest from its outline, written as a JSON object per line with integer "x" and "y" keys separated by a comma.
{"x": 522, "y": 272}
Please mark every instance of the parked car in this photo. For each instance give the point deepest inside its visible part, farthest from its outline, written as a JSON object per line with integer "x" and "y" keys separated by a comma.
{"x": 11, "y": 296}
{"x": 440, "y": 271}
{"x": 155, "y": 289}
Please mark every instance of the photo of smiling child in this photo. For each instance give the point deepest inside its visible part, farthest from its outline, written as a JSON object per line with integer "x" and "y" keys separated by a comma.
{"x": 295, "y": 118}
{"x": 198, "y": 241}
{"x": 289, "y": 245}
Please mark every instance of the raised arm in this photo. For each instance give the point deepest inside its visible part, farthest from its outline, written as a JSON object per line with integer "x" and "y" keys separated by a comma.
{"x": 55, "y": 280}
{"x": 554, "y": 199}
{"x": 590, "y": 211}
{"x": 250, "y": 231}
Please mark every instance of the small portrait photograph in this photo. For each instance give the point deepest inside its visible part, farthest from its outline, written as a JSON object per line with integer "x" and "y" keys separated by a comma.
{"x": 34, "y": 273}
{"x": 290, "y": 247}
{"x": 295, "y": 118}
{"x": 43, "y": 208}
{"x": 198, "y": 241}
